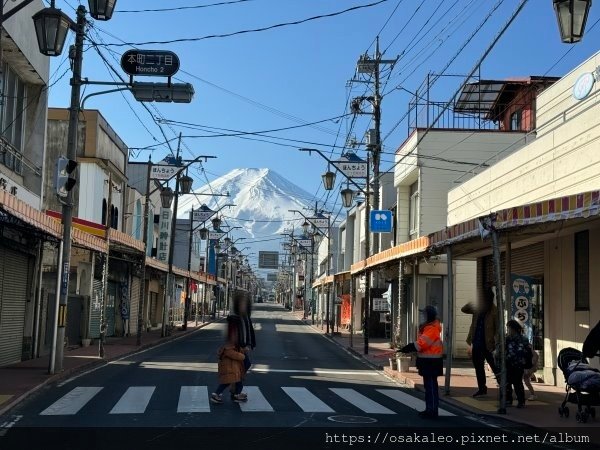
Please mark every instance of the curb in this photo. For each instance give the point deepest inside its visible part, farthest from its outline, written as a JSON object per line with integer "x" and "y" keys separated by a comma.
{"x": 344, "y": 347}
{"x": 407, "y": 382}
{"x": 94, "y": 364}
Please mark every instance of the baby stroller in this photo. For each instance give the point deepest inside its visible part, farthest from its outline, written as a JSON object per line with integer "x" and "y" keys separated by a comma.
{"x": 583, "y": 380}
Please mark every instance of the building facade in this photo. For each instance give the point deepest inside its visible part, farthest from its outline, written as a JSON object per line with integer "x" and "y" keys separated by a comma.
{"x": 25, "y": 235}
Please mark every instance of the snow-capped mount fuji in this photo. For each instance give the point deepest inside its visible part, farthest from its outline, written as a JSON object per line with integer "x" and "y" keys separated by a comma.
{"x": 263, "y": 199}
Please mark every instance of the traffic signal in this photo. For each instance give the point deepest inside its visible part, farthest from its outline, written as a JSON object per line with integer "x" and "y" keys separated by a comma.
{"x": 65, "y": 180}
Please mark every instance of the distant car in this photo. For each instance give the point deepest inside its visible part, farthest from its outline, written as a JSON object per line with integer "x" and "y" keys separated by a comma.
{"x": 259, "y": 299}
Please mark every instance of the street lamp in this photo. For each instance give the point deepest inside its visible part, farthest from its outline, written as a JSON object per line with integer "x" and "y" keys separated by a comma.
{"x": 328, "y": 179}
{"x": 166, "y": 197}
{"x": 102, "y": 9}
{"x": 51, "y": 27}
{"x": 203, "y": 233}
{"x": 572, "y": 16}
{"x": 347, "y": 197}
{"x": 185, "y": 183}
{"x": 216, "y": 223}
{"x": 305, "y": 226}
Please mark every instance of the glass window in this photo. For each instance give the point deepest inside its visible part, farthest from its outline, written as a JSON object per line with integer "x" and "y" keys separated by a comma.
{"x": 413, "y": 208}
{"x": 582, "y": 271}
{"x": 515, "y": 120}
{"x": 13, "y": 113}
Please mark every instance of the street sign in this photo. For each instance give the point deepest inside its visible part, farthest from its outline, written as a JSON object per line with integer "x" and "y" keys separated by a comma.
{"x": 150, "y": 63}
{"x": 319, "y": 222}
{"x": 351, "y": 165}
{"x": 268, "y": 260}
{"x": 352, "y": 169}
{"x": 304, "y": 242}
{"x": 215, "y": 235}
{"x": 200, "y": 215}
{"x": 380, "y": 304}
{"x": 381, "y": 221}
{"x": 163, "y": 171}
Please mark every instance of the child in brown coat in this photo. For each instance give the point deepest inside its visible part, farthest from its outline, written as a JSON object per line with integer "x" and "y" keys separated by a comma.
{"x": 231, "y": 368}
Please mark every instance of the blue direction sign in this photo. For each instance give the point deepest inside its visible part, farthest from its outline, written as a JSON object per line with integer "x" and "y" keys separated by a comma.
{"x": 151, "y": 63}
{"x": 381, "y": 221}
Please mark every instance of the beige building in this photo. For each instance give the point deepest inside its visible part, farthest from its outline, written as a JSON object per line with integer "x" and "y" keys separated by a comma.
{"x": 547, "y": 200}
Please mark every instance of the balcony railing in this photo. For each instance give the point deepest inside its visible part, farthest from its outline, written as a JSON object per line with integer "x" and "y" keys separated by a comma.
{"x": 422, "y": 114}
{"x": 11, "y": 157}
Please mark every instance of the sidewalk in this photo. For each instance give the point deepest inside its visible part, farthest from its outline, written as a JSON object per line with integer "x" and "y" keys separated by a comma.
{"x": 20, "y": 380}
{"x": 542, "y": 413}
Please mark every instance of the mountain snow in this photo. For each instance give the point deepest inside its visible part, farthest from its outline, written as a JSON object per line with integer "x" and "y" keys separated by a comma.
{"x": 263, "y": 199}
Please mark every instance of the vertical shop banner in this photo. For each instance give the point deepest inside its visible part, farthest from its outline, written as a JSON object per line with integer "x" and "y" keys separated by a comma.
{"x": 164, "y": 235}
{"x": 521, "y": 302}
{"x": 346, "y": 310}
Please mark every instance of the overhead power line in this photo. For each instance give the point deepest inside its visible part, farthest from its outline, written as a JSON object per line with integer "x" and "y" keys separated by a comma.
{"x": 181, "y": 8}
{"x": 248, "y": 31}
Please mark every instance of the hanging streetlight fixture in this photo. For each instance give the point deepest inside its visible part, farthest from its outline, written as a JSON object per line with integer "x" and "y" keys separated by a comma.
{"x": 572, "y": 16}
{"x": 51, "y": 28}
{"x": 166, "y": 197}
{"x": 328, "y": 179}
{"x": 102, "y": 9}
{"x": 347, "y": 197}
{"x": 216, "y": 222}
{"x": 305, "y": 227}
{"x": 185, "y": 183}
{"x": 203, "y": 233}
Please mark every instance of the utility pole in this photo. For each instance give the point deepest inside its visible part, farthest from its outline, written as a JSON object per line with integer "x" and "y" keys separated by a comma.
{"x": 188, "y": 294}
{"x": 67, "y": 209}
{"x": 367, "y": 305}
{"x": 372, "y": 66}
{"x": 170, "y": 280}
{"x": 107, "y": 226}
{"x": 145, "y": 240}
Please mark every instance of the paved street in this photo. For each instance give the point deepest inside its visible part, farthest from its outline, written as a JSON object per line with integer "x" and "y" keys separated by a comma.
{"x": 299, "y": 379}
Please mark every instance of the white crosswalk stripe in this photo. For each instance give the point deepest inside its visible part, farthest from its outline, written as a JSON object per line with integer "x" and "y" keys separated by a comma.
{"x": 72, "y": 402}
{"x": 410, "y": 401}
{"x": 193, "y": 399}
{"x": 306, "y": 400}
{"x": 363, "y": 403}
{"x": 256, "y": 401}
{"x": 134, "y": 400}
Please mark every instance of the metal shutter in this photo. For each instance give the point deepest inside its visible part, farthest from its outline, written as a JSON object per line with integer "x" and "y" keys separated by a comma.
{"x": 134, "y": 295}
{"x": 95, "y": 308}
{"x": 14, "y": 273}
{"x": 528, "y": 261}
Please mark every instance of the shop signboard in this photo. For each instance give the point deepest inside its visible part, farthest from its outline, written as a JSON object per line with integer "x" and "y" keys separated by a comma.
{"x": 521, "y": 302}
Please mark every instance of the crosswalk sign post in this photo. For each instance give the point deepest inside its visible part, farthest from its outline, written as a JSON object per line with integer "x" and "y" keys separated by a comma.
{"x": 381, "y": 221}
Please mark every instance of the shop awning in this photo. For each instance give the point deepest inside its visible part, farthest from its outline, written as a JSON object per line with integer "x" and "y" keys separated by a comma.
{"x": 28, "y": 214}
{"x": 122, "y": 239}
{"x": 399, "y": 251}
{"x": 323, "y": 280}
{"x": 569, "y": 207}
{"x": 156, "y": 264}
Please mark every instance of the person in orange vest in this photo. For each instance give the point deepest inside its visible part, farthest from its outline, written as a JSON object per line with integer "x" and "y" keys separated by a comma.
{"x": 429, "y": 349}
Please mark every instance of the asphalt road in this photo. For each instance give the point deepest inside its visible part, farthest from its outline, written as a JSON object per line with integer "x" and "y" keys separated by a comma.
{"x": 299, "y": 379}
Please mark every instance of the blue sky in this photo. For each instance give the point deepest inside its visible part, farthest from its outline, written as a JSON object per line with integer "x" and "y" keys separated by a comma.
{"x": 268, "y": 80}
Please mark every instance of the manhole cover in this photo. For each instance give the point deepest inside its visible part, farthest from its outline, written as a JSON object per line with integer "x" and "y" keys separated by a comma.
{"x": 351, "y": 419}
